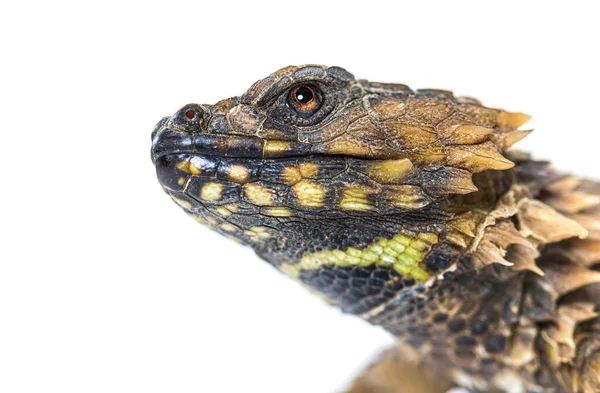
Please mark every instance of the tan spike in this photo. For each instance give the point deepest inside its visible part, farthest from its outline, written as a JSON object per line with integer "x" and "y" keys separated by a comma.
{"x": 566, "y": 276}
{"x": 462, "y": 229}
{"x": 477, "y": 158}
{"x": 550, "y": 349}
{"x": 465, "y": 134}
{"x": 573, "y": 202}
{"x": 512, "y": 120}
{"x": 504, "y": 140}
{"x": 507, "y": 204}
{"x": 546, "y": 224}
{"x": 488, "y": 253}
{"x": 564, "y": 184}
{"x": 458, "y": 239}
{"x": 590, "y": 377}
{"x": 505, "y": 234}
{"x": 586, "y": 252}
{"x": 590, "y": 186}
{"x": 568, "y": 316}
{"x": 457, "y": 182}
{"x": 524, "y": 258}
{"x": 590, "y": 222}
{"x": 406, "y": 196}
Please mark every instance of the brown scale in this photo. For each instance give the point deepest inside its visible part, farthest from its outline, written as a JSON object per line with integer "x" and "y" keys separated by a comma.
{"x": 527, "y": 316}
{"x": 310, "y": 159}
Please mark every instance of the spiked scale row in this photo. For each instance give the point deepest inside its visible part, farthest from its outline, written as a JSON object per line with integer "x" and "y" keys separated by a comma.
{"x": 433, "y": 132}
{"x": 558, "y": 238}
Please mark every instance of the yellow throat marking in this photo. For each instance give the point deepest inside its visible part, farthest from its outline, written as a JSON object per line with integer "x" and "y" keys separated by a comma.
{"x": 404, "y": 253}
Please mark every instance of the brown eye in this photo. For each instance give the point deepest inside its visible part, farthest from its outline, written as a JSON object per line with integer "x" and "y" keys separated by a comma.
{"x": 305, "y": 99}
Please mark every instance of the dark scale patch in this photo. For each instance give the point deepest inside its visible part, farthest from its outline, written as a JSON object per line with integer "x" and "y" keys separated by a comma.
{"x": 440, "y": 258}
{"x": 465, "y": 341}
{"x": 218, "y": 125}
{"x": 491, "y": 316}
{"x": 479, "y": 328}
{"x": 495, "y": 343}
{"x": 374, "y": 281}
{"x": 249, "y": 221}
{"x": 363, "y": 272}
{"x": 415, "y": 340}
{"x": 440, "y": 317}
{"x": 357, "y": 281}
{"x": 355, "y": 289}
{"x": 465, "y": 354}
{"x": 323, "y": 235}
{"x": 488, "y": 366}
{"x": 457, "y": 325}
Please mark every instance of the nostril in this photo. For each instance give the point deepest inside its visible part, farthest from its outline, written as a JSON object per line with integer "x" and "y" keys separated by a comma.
{"x": 190, "y": 117}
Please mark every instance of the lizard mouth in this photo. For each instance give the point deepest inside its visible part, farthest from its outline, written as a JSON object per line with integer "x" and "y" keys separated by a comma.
{"x": 183, "y": 158}
{"x": 167, "y": 140}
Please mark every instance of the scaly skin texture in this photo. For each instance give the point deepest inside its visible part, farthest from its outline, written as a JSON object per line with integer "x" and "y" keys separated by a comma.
{"x": 403, "y": 208}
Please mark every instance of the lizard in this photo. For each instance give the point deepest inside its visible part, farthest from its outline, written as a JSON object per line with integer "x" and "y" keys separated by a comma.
{"x": 407, "y": 209}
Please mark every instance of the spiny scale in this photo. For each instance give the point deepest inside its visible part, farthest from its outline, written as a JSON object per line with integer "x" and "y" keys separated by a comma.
{"x": 402, "y": 207}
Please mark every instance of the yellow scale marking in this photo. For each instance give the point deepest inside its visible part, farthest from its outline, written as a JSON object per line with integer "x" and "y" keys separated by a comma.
{"x": 309, "y": 193}
{"x": 257, "y": 233}
{"x": 293, "y": 174}
{"x": 238, "y": 173}
{"x": 356, "y": 197}
{"x": 189, "y": 167}
{"x": 402, "y": 253}
{"x": 258, "y": 195}
{"x": 223, "y": 211}
{"x": 272, "y": 148}
{"x": 390, "y": 171}
{"x": 211, "y": 191}
{"x": 277, "y": 212}
{"x": 181, "y": 202}
{"x": 228, "y": 227}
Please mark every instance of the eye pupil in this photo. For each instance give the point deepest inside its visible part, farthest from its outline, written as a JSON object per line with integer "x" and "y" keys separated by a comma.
{"x": 304, "y": 95}
{"x": 305, "y": 100}
{"x": 190, "y": 114}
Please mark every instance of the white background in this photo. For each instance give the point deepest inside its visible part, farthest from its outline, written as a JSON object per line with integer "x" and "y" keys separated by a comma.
{"x": 106, "y": 286}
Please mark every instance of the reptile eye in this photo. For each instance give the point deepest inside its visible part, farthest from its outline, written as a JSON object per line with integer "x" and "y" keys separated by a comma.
{"x": 190, "y": 114}
{"x": 305, "y": 100}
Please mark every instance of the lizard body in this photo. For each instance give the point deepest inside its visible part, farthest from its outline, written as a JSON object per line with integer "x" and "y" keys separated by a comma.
{"x": 402, "y": 207}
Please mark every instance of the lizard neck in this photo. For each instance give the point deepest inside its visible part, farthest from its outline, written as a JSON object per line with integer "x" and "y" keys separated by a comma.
{"x": 463, "y": 322}
{"x": 459, "y": 305}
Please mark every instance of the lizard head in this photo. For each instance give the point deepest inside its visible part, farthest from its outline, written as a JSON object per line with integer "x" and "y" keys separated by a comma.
{"x": 343, "y": 184}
